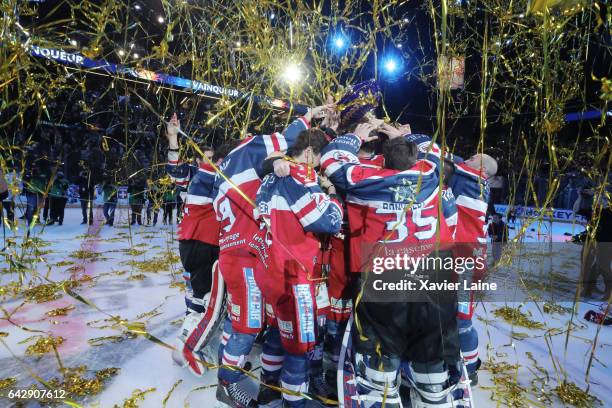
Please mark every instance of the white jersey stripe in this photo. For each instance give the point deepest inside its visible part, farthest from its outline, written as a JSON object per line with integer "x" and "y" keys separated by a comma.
{"x": 472, "y": 203}
{"x": 238, "y": 180}
{"x": 197, "y": 200}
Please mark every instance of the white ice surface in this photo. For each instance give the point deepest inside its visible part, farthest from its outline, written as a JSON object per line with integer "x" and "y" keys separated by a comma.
{"x": 145, "y": 364}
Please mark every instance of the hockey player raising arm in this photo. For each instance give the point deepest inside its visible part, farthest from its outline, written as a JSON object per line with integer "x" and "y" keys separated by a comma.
{"x": 198, "y": 235}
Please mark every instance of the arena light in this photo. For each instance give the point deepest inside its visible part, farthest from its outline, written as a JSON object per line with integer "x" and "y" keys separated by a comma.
{"x": 137, "y": 7}
{"x": 135, "y": 55}
{"x": 272, "y": 16}
{"x": 390, "y": 65}
{"x": 339, "y": 42}
{"x": 160, "y": 19}
{"x": 292, "y": 73}
{"x": 74, "y": 43}
{"x": 121, "y": 53}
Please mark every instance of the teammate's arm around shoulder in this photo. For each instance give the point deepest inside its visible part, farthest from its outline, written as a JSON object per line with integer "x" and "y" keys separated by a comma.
{"x": 317, "y": 211}
{"x": 339, "y": 158}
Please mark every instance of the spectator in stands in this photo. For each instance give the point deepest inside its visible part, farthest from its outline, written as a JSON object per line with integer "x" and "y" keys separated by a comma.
{"x": 498, "y": 231}
{"x": 584, "y": 204}
{"x": 86, "y": 196}
{"x": 109, "y": 193}
{"x": 95, "y": 161}
{"x": 169, "y": 198}
{"x": 72, "y": 163}
{"x": 6, "y": 196}
{"x": 154, "y": 199}
{"x": 136, "y": 200}
{"x": 511, "y": 215}
{"x": 58, "y": 196}
{"x": 34, "y": 186}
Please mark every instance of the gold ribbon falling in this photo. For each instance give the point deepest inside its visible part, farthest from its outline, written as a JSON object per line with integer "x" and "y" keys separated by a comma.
{"x": 532, "y": 72}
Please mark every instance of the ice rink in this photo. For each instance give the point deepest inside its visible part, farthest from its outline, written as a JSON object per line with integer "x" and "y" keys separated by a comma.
{"x": 133, "y": 274}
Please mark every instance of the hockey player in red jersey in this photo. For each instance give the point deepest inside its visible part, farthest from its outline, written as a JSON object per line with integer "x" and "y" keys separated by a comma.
{"x": 235, "y": 192}
{"x": 469, "y": 185}
{"x": 198, "y": 236}
{"x": 291, "y": 211}
{"x": 397, "y": 204}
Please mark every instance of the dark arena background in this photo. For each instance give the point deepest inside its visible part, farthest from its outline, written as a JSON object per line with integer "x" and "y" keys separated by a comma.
{"x": 116, "y": 118}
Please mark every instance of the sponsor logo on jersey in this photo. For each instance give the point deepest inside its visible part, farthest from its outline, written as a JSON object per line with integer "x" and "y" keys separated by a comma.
{"x": 286, "y": 328}
{"x": 306, "y": 315}
{"x": 464, "y": 307}
{"x": 404, "y": 192}
{"x": 263, "y": 208}
{"x": 322, "y": 296}
{"x": 447, "y": 194}
{"x": 253, "y": 299}
{"x": 341, "y": 306}
{"x": 270, "y": 310}
{"x": 235, "y": 312}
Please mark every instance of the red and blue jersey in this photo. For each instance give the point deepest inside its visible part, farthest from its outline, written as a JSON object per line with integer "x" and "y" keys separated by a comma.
{"x": 199, "y": 221}
{"x": 384, "y": 205}
{"x": 291, "y": 210}
{"x": 449, "y": 209}
{"x": 377, "y": 160}
{"x": 243, "y": 168}
{"x": 471, "y": 195}
{"x": 449, "y": 205}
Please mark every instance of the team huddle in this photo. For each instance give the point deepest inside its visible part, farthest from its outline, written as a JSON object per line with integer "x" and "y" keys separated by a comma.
{"x": 277, "y": 239}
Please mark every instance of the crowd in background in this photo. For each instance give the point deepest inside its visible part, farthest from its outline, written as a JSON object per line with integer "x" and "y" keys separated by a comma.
{"x": 77, "y": 147}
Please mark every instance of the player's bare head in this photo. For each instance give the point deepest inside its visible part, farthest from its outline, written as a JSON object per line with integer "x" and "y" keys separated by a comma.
{"x": 368, "y": 148}
{"x": 449, "y": 171}
{"x": 400, "y": 154}
{"x": 350, "y": 127}
{"x": 308, "y": 146}
{"x": 483, "y": 162}
{"x": 222, "y": 151}
{"x": 206, "y": 153}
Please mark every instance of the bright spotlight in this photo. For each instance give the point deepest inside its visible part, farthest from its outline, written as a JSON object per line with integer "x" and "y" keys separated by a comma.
{"x": 74, "y": 43}
{"x": 160, "y": 19}
{"x": 292, "y": 73}
{"x": 272, "y": 16}
{"x": 137, "y": 7}
{"x": 390, "y": 66}
{"x": 121, "y": 53}
{"x": 135, "y": 55}
{"x": 238, "y": 43}
{"x": 339, "y": 42}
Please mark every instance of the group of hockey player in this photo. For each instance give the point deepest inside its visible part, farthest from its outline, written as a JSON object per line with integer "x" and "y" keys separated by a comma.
{"x": 273, "y": 245}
